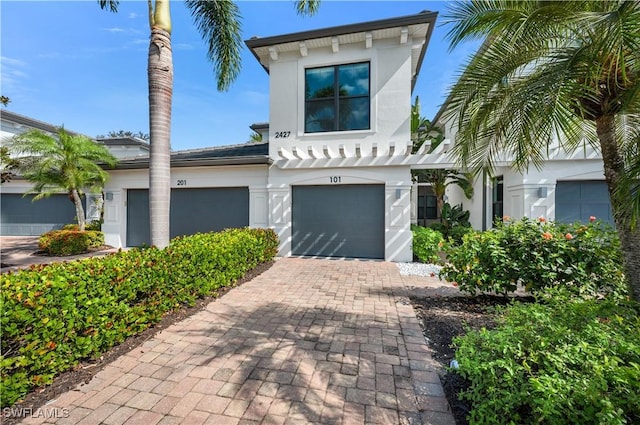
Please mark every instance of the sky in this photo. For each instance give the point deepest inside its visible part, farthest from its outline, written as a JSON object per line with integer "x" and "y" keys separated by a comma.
{"x": 70, "y": 63}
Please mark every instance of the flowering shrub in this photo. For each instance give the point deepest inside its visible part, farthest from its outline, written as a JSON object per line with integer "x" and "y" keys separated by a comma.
{"x": 561, "y": 361}
{"x": 426, "y": 244}
{"x": 70, "y": 242}
{"x": 55, "y": 315}
{"x": 538, "y": 254}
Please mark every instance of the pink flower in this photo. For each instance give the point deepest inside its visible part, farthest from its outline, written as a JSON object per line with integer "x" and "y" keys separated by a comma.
{"x": 568, "y": 236}
{"x": 547, "y": 236}
{"x": 542, "y": 219}
{"x": 592, "y": 218}
{"x": 506, "y": 218}
{"x": 455, "y": 284}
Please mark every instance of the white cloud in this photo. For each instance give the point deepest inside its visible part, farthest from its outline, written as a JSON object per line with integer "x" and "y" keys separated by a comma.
{"x": 6, "y": 61}
{"x": 114, "y": 29}
{"x": 14, "y": 75}
{"x": 133, "y": 15}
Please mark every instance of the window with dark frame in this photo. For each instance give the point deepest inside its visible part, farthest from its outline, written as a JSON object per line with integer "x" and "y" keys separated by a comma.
{"x": 498, "y": 198}
{"x": 337, "y": 98}
{"x": 427, "y": 205}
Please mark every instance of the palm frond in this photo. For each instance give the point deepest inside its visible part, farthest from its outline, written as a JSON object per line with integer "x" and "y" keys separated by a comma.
{"x": 307, "y": 7}
{"x": 111, "y": 5}
{"x": 219, "y": 24}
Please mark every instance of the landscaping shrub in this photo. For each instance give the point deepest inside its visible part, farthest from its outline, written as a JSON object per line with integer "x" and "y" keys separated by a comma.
{"x": 426, "y": 244}
{"x": 70, "y": 242}
{"x": 560, "y": 362}
{"x": 453, "y": 224}
{"x": 55, "y": 315}
{"x": 91, "y": 225}
{"x": 538, "y": 255}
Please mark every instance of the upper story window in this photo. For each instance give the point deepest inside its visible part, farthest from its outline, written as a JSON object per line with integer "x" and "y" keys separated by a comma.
{"x": 337, "y": 98}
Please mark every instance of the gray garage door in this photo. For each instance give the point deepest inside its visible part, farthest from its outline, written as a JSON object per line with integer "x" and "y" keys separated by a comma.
{"x": 578, "y": 200}
{"x": 22, "y": 217}
{"x": 192, "y": 211}
{"x": 338, "y": 221}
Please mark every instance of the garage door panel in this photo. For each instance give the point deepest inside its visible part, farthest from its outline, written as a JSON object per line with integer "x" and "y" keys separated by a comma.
{"x": 338, "y": 221}
{"x": 192, "y": 211}
{"x": 138, "y": 231}
{"x": 21, "y": 216}
{"x": 579, "y": 200}
{"x": 208, "y": 210}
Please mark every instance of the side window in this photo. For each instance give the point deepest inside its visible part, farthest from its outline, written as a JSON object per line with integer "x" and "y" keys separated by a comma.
{"x": 498, "y": 197}
{"x": 337, "y": 98}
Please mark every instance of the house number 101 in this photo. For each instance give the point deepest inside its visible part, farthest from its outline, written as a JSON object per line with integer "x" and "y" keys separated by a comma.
{"x": 335, "y": 179}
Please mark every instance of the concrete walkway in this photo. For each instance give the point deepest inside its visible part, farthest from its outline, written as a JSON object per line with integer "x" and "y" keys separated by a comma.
{"x": 18, "y": 252}
{"x": 308, "y": 341}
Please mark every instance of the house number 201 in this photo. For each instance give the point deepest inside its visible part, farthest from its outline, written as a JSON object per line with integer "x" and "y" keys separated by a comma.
{"x": 335, "y": 179}
{"x": 182, "y": 183}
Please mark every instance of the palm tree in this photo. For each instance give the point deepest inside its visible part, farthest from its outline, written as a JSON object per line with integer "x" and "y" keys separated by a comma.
{"x": 547, "y": 69}
{"x": 440, "y": 179}
{"x": 219, "y": 24}
{"x": 422, "y": 130}
{"x": 66, "y": 163}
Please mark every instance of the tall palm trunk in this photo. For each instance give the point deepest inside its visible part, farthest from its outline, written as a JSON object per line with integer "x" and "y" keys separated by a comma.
{"x": 614, "y": 170}
{"x": 77, "y": 202}
{"x": 160, "y": 75}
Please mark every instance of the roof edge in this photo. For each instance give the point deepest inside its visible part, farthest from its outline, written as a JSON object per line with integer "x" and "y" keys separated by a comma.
{"x": 143, "y": 163}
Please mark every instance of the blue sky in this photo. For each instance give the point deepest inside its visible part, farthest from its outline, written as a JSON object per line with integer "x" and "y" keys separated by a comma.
{"x": 70, "y": 63}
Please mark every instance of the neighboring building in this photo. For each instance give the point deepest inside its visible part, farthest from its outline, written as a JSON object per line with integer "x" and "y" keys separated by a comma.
{"x": 20, "y": 215}
{"x": 569, "y": 187}
{"x": 334, "y": 178}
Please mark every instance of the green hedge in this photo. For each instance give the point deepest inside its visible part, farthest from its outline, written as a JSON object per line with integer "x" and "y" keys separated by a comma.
{"x": 70, "y": 242}
{"x": 55, "y": 315}
{"x": 565, "y": 362}
{"x": 538, "y": 255}
{"x": 426, "y": 244}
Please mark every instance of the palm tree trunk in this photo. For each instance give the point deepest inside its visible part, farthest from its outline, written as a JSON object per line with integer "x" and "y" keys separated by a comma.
{"x": 160, "y": 74}
{"x": 629, "y": 236}
{"x": 79, "y": 210}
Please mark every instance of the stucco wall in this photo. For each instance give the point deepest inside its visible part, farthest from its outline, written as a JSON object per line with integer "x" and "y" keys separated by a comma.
{"x": 115, "y": 208}
{"x": 390, "y": 82}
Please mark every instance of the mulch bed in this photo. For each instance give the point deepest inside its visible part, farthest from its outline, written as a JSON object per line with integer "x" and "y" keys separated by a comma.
{"x": 442, "y": 319}
{"x": 84, "y": 372}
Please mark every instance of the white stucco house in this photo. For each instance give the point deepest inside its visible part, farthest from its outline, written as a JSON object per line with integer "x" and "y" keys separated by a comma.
{"x": 333, "y": 177}
{"x": 569, "y": 187}
{"x": 19, "y": 215}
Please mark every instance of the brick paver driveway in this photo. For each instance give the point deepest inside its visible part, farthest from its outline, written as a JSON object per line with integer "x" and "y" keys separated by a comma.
{"x": 308, "y": 341}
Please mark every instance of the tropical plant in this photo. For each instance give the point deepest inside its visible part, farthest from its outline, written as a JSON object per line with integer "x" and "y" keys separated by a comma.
{"x": 440, "y": 179}
{"x": 125, "y": 133}
{"x": 454, "y": 223}
{"x": 255, "y": 138}
{"x": 7, "y": 164}
{"x": 4, "y": 100}
{"x": 219, "y": 24}
{"x": 422, "y": 130}
{"x": 535, "y": 254}
{"x": 550, "y": 70}
{"x": 63, "y": 163}
{"x": 560, "y": 362}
